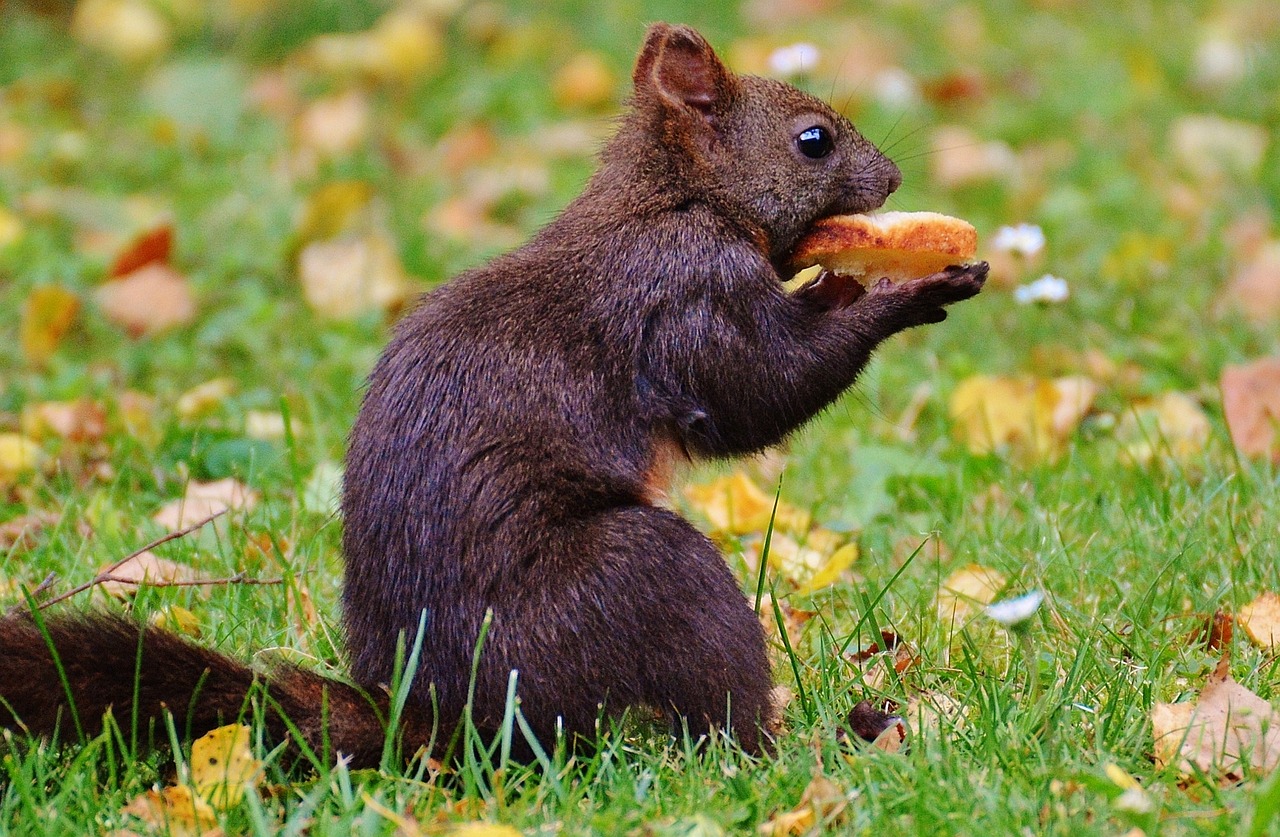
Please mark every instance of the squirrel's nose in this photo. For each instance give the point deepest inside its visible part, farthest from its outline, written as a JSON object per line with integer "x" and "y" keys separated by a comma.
{"x": 893, "y": 177}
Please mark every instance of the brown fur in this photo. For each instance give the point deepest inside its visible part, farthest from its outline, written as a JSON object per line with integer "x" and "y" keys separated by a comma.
{"x": 507, "y": 453}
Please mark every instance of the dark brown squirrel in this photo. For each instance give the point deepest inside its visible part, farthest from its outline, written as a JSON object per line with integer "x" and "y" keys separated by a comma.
{"x": 519, "y": 431}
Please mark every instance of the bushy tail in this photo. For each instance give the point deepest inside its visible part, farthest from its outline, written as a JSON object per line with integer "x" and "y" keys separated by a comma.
{"x": 63, "y": 677}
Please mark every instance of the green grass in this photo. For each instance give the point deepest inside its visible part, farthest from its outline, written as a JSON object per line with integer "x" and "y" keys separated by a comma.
{"x": 1131, "y": 558}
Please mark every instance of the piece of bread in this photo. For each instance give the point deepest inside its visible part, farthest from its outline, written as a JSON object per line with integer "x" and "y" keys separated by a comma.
{"x": 897, "y": 245}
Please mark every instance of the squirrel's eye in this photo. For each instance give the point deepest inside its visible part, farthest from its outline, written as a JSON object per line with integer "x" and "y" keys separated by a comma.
{"x": 816, "y": 142}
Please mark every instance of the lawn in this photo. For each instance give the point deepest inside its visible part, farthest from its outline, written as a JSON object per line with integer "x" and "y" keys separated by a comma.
{"x": 1077, "y": 447}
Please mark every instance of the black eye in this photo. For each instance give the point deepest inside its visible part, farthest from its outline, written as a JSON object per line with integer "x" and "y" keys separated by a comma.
{"x": 816, "y": 142}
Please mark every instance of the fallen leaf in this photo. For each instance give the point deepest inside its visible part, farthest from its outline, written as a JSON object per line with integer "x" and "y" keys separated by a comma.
{"x": 345, "y": 278}
{"x": 737, "y": 506}
{"x": 1033, "y": 417}
{"x": 1255, "y": 287}
{"x": 47, "y": 315}
{"x": 145, "y": 568}
{"x": 333, "y": 209}
{"x": 335, "y": 125}
{"x": 484, "y": 829}
{"x": 204, "y": 398}
{"x": 793, "y": 619}
{"x": 929, "y": 711}
{"x": 266, "y": 425}
{"x": 148, "y": 301}
{"x": 203, "y": 499}
{"x": 587, "y": 81}
{"x": 882, "y": 730}
{"x": 966, "y": 591}
{"x": 1251, "y": 402}
{"x": 177, "y": 811}
{"x": 222, "y": 766}
{"x": 21, "y": 533}
{"x": 829, "y": 572}
{"x": 823, "y": 802}
{"x": 80, "y": 421}
{"x": 19, "y": 455}
{"x": 130, "y": 30}
{"x": 961, "y": 158}
{"x": 136, "y": 414}
{"x": 1261, "y": 620}
{"x": 1171, "y": 423}
{"x": 152, "y": 246}
{"x": 1215, "y": 633}
{"x": 178, "y": 620}
{"x": 11, "y": 227}
{"x": 1211, "y": 147}
{"x": 1227, "y": 731}
{"x": 402, "y": 46}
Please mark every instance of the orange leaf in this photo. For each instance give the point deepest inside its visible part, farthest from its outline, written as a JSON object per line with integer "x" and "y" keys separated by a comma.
{"x": 151, "y": 246}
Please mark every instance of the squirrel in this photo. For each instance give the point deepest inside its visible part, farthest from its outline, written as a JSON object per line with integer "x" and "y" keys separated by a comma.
{"x": 506, "y": 472}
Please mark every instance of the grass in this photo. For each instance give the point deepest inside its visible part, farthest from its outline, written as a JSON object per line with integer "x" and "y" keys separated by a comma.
{"x": 1132, "y": 558}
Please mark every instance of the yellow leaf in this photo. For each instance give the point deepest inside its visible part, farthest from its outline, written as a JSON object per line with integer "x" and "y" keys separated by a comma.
{"x": 76, "y": 421}
{"x": 222, "y": 765}
{"x": 405, "y": 46}
{"x": 737, "y": 506}
{"x": 823, "y": 801}
{"x": 1261, "y": 620}
{"x": 47, "y": 315}
{"x": 968, "y": 587}
{"x": 10, "y": 228}
{"x": 19, "y": 455}
{"x": 130, "y": 30}
{"x": 177, "y": 619}
{"x": 204, "y": 398}
{"x": 333, "y": 209}
{"x": 1032, "y": 417}
{"x": 830, "y": 572}
{"x": 1171, "y": 424}
{"x": 176, "y": 810}
{"x": 485, "y": 829}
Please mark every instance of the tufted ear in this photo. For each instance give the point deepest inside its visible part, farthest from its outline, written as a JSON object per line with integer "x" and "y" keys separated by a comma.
{"x": 678, "y": 65}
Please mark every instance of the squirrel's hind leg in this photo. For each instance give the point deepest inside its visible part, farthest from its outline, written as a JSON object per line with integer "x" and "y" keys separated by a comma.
{"x": 655, "y": 617}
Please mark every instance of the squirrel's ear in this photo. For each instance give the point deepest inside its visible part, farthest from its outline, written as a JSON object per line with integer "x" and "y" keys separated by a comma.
{"x": 679, "y": 65}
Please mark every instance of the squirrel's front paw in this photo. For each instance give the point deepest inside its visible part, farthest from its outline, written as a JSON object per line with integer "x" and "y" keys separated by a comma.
{"x": 922, "y": 301}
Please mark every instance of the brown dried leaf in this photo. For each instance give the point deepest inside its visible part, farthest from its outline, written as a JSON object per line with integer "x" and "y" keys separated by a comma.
{"x": 1256, "y": 285}
{"x": 176, "y": 811}
{"x": 145, "y": 568}
{"x": 1226, "y": 732}
{"x": 1251, "y": 402}
{"x": 1261, "y": 620}
{"x": 47, "y": 315}
{"x": 78, "y": 421}
{"x": 149, "y": 300}
{"x": 203, "y": 499}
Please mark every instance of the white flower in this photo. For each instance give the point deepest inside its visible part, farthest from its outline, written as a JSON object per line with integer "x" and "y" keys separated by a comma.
{"x": 794, "y": 59}
{"x": 1024, "y": 239}
{"x": 1047, "y": 289}
{"x": 1013, "y": 612}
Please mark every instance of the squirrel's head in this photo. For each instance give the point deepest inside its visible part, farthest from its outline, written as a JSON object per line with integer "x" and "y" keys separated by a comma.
{"x": 776, "y": 156}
